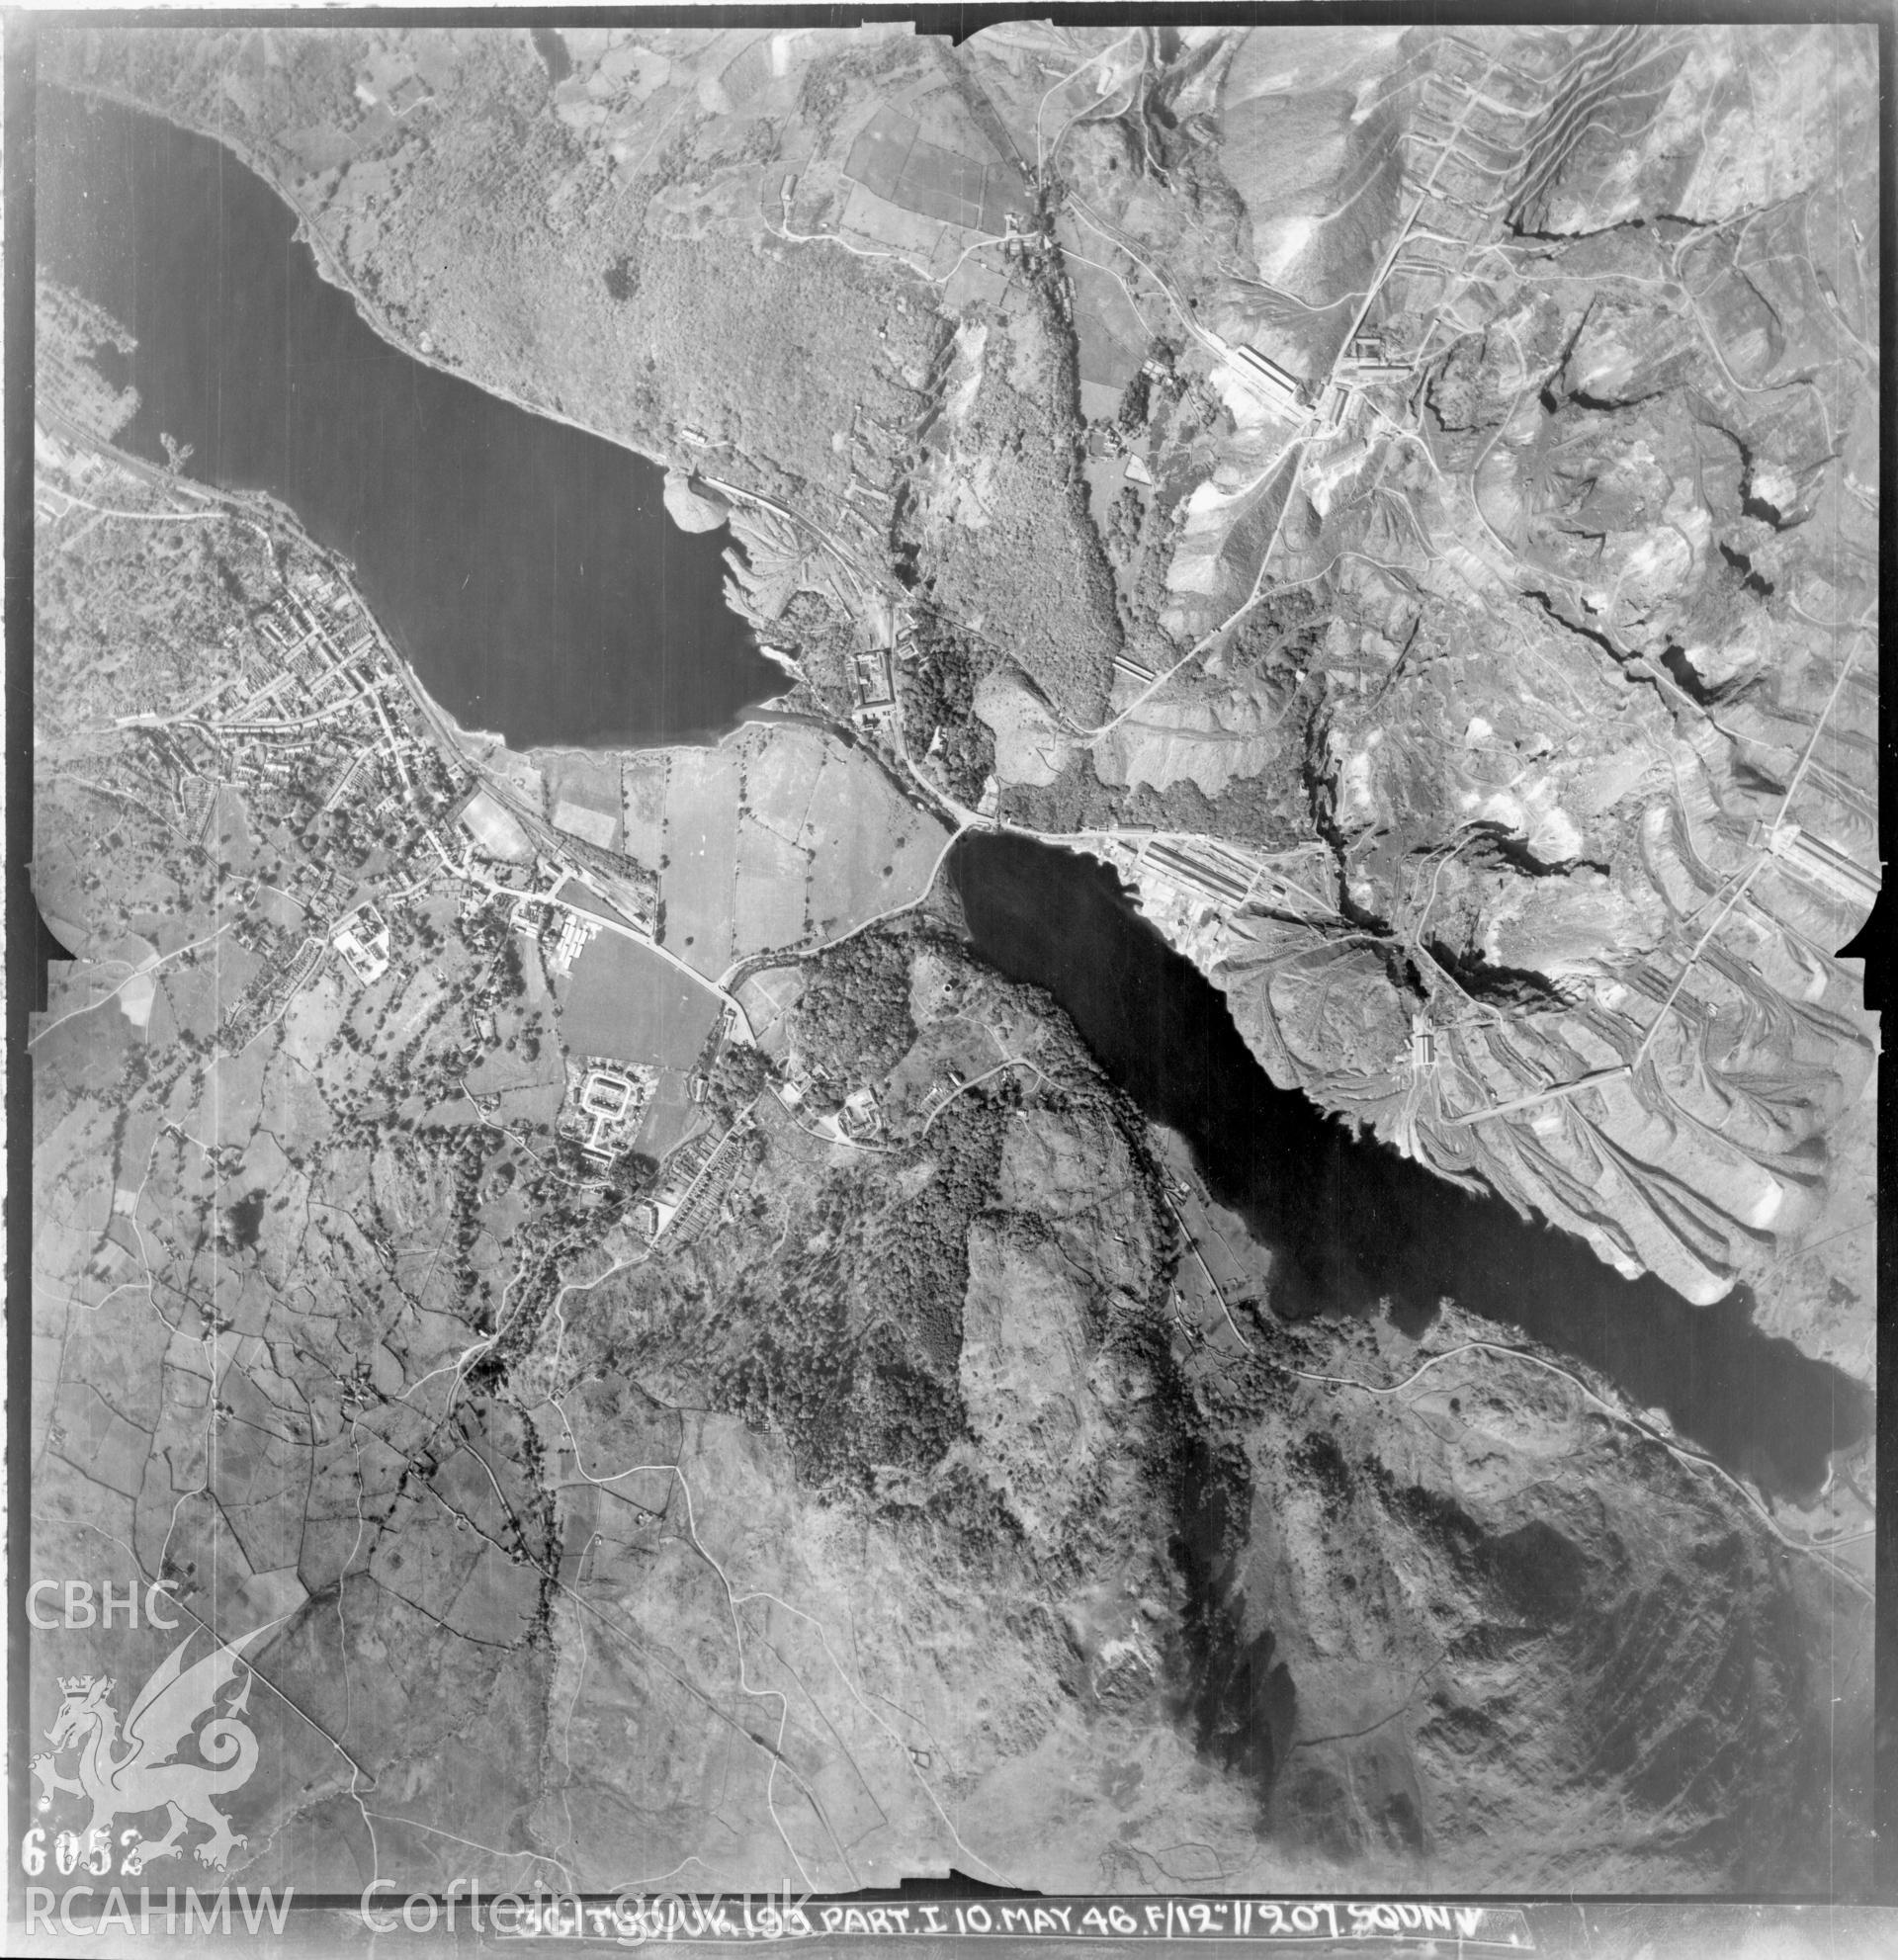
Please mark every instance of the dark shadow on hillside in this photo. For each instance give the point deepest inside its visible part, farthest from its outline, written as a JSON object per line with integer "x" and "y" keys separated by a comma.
{"x": 1352, "y": 1220}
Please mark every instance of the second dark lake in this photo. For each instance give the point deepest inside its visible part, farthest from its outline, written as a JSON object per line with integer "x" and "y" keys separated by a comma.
{"x": 1350, "y": 1221}
{"x": 526, "y": 570}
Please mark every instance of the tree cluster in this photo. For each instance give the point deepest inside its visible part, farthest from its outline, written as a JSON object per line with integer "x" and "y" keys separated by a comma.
{"x": 821, "y": 642}
{"x": 937, "y": 691}
{"x": 737, "y": 1080}
{"x": 852, "y": 1020}
{"x": 1035, "y": 575}
{"x": 852, "y": 1407}
{"x": 1269, "y": 809}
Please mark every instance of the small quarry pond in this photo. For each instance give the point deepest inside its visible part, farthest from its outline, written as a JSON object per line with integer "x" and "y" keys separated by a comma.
{"x": 526, "y": 570}
{"x": 1352, "y": 1222}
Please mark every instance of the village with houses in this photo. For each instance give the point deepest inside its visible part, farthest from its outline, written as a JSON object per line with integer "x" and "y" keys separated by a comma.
{"x": 365, "y": 850}
{"x": 379, "y": 1043}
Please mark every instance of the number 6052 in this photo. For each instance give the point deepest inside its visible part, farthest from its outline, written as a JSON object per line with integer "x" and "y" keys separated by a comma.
{"x": 70, "y": 1851}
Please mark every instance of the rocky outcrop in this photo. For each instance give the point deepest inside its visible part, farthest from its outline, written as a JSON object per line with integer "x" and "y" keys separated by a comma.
{"x": 1324, "y": 1603}
{"x": 997, "y": 521}
{"x": 1586, "y": 739}
{"x": 1564, "y": 813}
{"x": 1431, "y": 1640}
{"x": 1729, "y": 126}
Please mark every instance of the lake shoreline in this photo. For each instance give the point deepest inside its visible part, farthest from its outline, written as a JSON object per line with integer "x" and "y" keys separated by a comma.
{"x": 522, "y": 561}
{"x": 1354, "y": 1227}
{"x": 333, "y": 271}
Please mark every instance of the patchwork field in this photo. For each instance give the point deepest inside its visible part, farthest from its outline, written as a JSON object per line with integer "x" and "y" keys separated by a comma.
{"x": 820, "y": 836}
{"x": 767, "y": 999}
{"x": 894, "y": 159}
{"x": 870, "y": 849}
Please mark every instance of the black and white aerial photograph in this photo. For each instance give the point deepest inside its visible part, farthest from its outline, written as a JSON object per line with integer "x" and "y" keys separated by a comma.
{"x": 943, "y": 986}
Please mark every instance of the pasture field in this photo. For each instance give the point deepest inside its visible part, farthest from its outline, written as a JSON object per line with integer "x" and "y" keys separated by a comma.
{"x": 625, "y": 1001}
{"x": 642, "y": 810}
{"x": 670, "y": 1117}
{"x": 782, "y": 764}
{"x": 701, "y": 856}
{"x": 871, "y": 848}
{"x": 897, "y": 162}
{"x": 780, "y": 833}
{"x": 772, "y": 875}
{"x": 292, "y": 1099}
{"x": 497, "y": 1070}
{"x": 578, "y": 776}
{"x": 310, "y": 1021}
{"x": 1111, "y": 337}
{"x": 875, "y": 219}
{"x": 530, "y": 1105}
{"x": 231, "y": 1102}
{"x": 583, "y": 794}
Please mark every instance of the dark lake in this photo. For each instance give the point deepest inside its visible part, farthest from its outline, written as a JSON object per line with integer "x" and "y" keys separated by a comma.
{"x": 552, "y": 50}
{"x": 1352, "y": 1222}
{"x": 526, "y": 570}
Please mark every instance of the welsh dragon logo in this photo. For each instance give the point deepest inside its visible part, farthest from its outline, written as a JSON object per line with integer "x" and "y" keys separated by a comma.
{"x": 132, "y": 1775}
